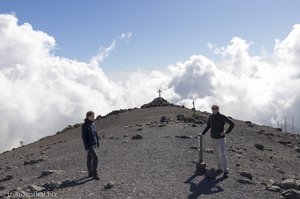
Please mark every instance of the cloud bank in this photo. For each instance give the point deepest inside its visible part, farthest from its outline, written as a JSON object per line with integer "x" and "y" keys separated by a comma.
{"x": 41, "y": 93}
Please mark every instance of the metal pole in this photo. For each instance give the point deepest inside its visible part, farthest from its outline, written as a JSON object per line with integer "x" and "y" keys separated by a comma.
{"x": 200, "y": 166}
{"x": 285, "y": 124}
{"x": 293, "y": 128}
{"x": 200, "y": 149}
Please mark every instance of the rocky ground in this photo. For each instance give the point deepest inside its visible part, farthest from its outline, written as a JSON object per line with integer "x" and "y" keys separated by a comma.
{"x": 146, "y": 155}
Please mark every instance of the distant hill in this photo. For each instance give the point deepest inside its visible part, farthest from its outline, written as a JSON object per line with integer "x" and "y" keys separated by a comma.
{"x": 263, "y": 162}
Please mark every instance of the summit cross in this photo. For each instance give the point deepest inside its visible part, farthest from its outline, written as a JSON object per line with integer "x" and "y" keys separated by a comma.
{"x": 159, "y": 92}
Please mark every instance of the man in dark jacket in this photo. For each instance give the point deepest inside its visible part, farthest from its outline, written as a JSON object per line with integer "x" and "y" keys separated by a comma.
{"x": 216, "y": 123}
{"x": 90, "y": 141}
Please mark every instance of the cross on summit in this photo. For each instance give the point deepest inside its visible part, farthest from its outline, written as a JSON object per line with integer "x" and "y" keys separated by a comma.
{"x": 159, "y": 92}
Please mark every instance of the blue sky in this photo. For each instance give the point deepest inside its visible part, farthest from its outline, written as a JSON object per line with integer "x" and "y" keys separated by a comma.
{"x": 164, "y": 32}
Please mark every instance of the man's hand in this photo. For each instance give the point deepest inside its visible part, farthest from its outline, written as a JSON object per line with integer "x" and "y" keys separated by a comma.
{"x": 223, "y": 133}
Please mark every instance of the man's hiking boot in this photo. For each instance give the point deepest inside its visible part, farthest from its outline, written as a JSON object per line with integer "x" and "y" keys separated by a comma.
{"x": 225, "y": 175}
{"x": 96, "y": 177}
{"x": 90, "y": 174}
{"x": 219, "y": 171}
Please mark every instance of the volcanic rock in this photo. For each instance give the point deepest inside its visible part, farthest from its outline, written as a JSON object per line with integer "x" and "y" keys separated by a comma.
{"x": 137, "y": 137}
{"x": 158, "y": 102}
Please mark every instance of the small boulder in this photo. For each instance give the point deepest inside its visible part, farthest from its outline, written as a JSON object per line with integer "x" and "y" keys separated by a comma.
{"x": 99, "y": 117}
{"x": 50, "y": 186}
{"x": 77, "y": 125}
{"x": 109, "y": 185}
{"x": 259, "y": 146}
{"x": 245, "y": 181}
{"x": 137, "y": 137}
{"x": 291, "y": 194}
{"x": 259, "y": 132}
{"x": 31, "y": 162}
{"x": 247, "y": 175}
{"x": 163, "y": 119}
{"x": 162, "y": 125}
{"x": 184, "y": 136}
{"x": 290, "y": 184}
{"x": 248, "y": 122}
{"x": 35, "y": 188}
{"x": 279, "y": 170}
{"x": 6, "y": 178}
{"x": 180, "y": 117}
{"x": 269, "y": 134}
{"x": 268, "y": 149}
{"x": 273, "y": 188}
{"x": 284, "y": 142}
{"x": 297, "y": 149}
{"x": 48, "y": 172}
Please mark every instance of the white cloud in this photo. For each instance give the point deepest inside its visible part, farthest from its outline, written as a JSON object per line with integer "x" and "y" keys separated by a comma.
{"x": 126, "y": 36}
{"x": 193, "y": 77}
{"x": 42, "y": 93}
{"x": 104, "y": 52}
{"x": 260, "y": 88}
{"x": 288, "y": 50}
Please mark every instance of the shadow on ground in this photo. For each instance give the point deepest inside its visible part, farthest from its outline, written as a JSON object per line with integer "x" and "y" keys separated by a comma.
{"x": 205, "y": 187}
{"x": 73, "y": 183}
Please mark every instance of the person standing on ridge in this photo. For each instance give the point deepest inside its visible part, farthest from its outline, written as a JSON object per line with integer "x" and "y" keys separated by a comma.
{"x": 216, "y": 123}
{"x": 90, "y": 141}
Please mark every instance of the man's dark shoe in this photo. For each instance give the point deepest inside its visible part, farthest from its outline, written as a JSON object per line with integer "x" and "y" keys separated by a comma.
{"x": 96, "y": 177}
{"x": 219, "y": 171}
{"x": 226, "y": 174}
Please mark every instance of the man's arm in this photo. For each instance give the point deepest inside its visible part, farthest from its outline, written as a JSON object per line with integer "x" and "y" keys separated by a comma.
{"x": 97, "y": 139}
{"x": 207, "y": 126}
{"x": 231, "y": 124}
{"x": 84, "y": 133}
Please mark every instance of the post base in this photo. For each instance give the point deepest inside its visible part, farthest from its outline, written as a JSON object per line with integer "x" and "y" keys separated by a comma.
{"x": 201, "y": 166}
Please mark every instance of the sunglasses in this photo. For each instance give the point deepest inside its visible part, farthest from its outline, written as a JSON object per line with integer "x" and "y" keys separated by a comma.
{"x": 214, "y": 108}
